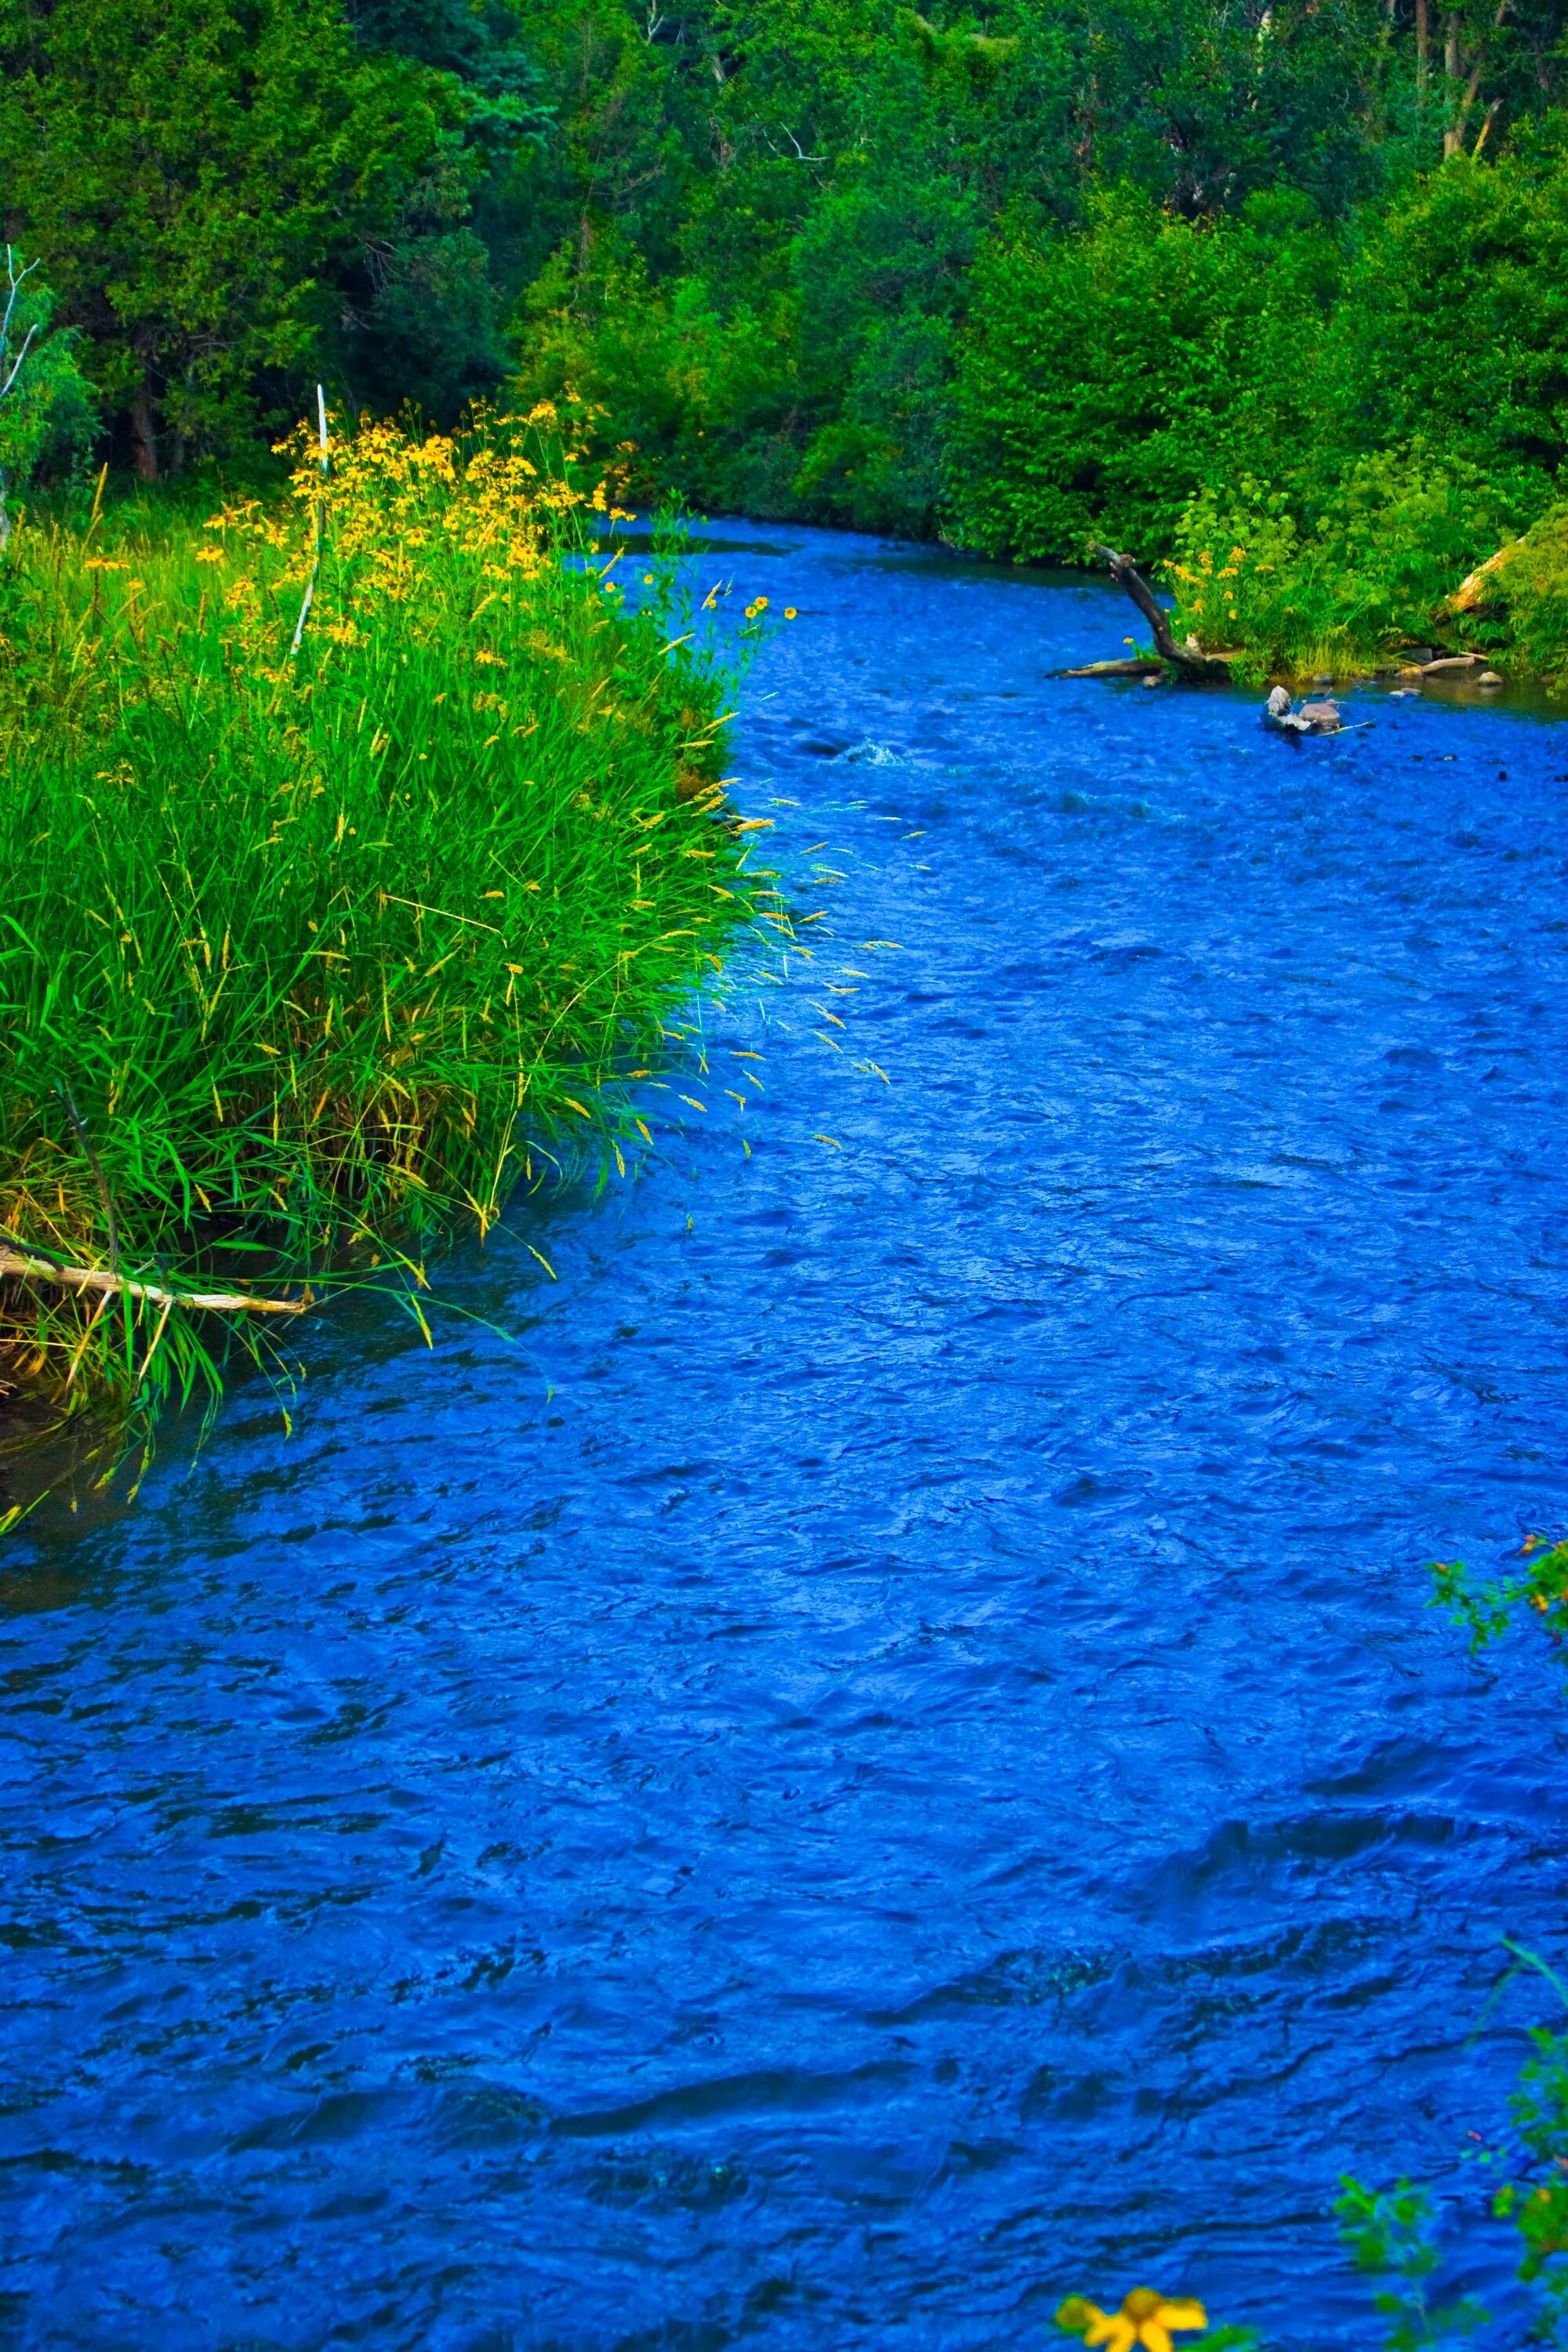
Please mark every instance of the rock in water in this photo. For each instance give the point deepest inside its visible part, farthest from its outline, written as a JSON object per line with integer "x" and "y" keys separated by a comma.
{"x": 1312, "y": 719}
{"x": 1278, "y": 717}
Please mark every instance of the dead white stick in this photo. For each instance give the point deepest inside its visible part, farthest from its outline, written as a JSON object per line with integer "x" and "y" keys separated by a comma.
{"x": 91, "y": 1277}
{"x": 320, "y": 522}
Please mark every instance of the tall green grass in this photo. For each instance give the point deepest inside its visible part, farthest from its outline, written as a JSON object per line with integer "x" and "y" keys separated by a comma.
{"x": 306, "y": 955}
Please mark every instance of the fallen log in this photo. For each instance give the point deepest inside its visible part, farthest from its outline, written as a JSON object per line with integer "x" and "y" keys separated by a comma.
{"x": 1136, "y": 665}
{"x": 1476, "y": 590}
{"x": 18, "y": 1265}
{"x": 1190, "y": 660}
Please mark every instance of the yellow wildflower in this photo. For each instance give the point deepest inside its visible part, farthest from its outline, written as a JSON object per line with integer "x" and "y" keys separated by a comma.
{"x": 1146, "y": 2318}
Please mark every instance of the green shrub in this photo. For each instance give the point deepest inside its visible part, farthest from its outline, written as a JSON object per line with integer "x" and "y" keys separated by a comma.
{"x": 1391, "y": 2235}
{"x": 1256, "y": 569}
{"x": 678, "y": 397}
{"x": 1454, "y": 327}
{"x": 882, "y": 267}
{"x": 1110, "y": 375}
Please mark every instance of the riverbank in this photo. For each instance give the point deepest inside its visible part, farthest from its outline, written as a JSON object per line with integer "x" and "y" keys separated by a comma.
{"x": 355, "y": 846}
{"x": 1292, "y": 601}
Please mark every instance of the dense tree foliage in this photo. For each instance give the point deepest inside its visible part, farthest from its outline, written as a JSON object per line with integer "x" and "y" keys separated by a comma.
{"x": 1017, "y": 273}
{"x": 228, "y": 193}
{"x": 783, "y": 234}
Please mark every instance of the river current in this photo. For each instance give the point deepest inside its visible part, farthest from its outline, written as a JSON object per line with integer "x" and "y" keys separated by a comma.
{"x": 863, "y": 1750}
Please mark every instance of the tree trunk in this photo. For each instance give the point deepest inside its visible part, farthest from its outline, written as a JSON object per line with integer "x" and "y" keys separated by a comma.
{"x": 1454, "y": 66}
{"x": 144, "y": 437}
{"x": 1181, "y": 657}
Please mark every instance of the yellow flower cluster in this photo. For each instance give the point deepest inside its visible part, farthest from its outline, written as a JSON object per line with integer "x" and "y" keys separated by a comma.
{"x": 379, "y": 523}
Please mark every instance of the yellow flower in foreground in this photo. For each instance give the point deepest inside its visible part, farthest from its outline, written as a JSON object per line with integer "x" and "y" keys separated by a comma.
{"x": 1146, "y": 2318}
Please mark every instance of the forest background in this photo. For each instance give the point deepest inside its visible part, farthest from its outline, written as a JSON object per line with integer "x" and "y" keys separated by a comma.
{"x": 1272, "y": 294}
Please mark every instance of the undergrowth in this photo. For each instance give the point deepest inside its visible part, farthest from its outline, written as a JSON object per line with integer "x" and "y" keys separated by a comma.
{"x": 1345, "y": 586}
{"x": 316, "y": 936}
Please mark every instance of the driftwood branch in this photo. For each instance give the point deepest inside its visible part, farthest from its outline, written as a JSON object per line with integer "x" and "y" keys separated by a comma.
{"x": 1137, "y": 665}
{"x": 24, "y": 1267}
{"x": 1190, "y": 660}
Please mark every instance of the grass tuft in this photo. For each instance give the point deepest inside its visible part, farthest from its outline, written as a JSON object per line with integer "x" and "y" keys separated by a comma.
{"x": 303, "y": 953}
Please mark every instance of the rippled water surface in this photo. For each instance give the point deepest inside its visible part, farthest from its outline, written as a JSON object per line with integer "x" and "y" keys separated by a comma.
{"x": 882, "y": 1757}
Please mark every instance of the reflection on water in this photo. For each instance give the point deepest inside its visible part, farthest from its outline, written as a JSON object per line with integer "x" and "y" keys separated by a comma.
{"x": 878, "y": 1758}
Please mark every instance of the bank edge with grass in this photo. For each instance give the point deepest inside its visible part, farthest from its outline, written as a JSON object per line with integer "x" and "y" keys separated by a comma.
{"x": 356, "y": 848}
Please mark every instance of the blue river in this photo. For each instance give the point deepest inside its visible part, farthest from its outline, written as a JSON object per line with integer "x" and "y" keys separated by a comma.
{"x": 859, "y": 1746}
